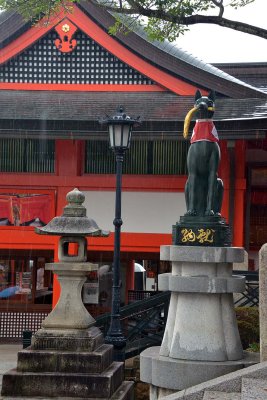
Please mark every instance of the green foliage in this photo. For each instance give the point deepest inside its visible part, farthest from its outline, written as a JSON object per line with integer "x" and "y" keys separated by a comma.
{"x": 34, "y": 9}
{"x": 117, "y": 27}
{"x": 254, "y": 347}
{"x": 159, "y": 28}
{"x": 248, "y": 326}
{"x": 240, "y": 3}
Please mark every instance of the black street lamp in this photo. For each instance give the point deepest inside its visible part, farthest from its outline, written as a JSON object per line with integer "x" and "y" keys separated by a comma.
{"x": 120, "y": 129}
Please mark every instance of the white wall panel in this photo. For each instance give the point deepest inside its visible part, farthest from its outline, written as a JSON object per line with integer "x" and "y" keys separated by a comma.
{"x": 144, "y": 212}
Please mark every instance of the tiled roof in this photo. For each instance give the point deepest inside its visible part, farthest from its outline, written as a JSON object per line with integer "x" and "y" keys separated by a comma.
{"x": 253, "y": 73}
{"x": 11, "y": 26}
{"x": 176, "y": 61}
{"x": 182, "y": 55}
{"x": 89, "y": 106}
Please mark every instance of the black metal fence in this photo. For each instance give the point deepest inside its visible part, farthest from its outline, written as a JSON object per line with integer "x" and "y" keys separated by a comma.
{"x": 250, "y": 297}
{"x": 143, "y": 322}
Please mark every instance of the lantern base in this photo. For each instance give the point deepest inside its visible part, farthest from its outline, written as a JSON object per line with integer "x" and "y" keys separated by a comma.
{"x": 68, "y": 340}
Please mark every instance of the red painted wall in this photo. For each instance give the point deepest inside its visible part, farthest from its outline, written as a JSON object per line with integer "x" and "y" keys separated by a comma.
{"x": 69, "y": 174}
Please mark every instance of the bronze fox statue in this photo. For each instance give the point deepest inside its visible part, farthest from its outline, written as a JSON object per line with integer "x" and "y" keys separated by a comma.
{"x": 203, "y": 189}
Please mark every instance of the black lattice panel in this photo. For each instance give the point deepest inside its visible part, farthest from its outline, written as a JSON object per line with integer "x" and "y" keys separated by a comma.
{"x": 88, "y": 63}
{"x": 12, "y": 324}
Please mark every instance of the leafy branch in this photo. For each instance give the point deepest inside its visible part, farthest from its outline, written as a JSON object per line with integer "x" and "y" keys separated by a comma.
{"x": 162, "y": 19}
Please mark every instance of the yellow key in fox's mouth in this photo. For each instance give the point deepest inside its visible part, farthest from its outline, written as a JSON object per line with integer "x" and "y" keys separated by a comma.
{"x": 187, "y": 121}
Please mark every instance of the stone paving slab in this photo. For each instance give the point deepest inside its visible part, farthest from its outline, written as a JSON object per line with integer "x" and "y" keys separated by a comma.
{"x": 8, "y": 356}
{"x": 254, "y": 389}
{"x": 221, "y": 396}
{"x": 8, "y": 359}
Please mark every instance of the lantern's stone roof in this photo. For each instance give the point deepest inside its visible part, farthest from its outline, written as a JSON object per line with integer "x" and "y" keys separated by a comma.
{"x": 74, "y": 221}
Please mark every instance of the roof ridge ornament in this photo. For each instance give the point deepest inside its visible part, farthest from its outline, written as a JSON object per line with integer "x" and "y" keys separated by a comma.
{"x": 65, "y": 29}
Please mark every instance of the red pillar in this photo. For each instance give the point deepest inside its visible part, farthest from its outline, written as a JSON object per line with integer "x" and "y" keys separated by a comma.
{"x": 224, "y": 173}
{"x": 240, "y": 187}
{"x": 69, "y": 157}
{"x": 69, "y": 162}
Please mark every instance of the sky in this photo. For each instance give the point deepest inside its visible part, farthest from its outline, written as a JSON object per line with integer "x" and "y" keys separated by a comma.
{"x": 214, "y": 44}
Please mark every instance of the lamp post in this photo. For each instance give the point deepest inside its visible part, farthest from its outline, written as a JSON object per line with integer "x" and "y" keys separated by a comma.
{"x": 120, "y": 129}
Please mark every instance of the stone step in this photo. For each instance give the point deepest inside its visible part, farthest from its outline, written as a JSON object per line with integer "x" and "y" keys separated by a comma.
{"x": 30, "y": 384}
{"x": 254, "y": 389}
{"x": 124, "y": 392}
{"x": 221, "y": 396}
{"x": 65, "y": 361}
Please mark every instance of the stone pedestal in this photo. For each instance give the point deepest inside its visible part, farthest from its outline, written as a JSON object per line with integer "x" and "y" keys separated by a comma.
{"x": 201, "y": 231}
{"x": 68, "y": 357}
{"x": 201, "y": 339}
{"x": 69, "y": 311}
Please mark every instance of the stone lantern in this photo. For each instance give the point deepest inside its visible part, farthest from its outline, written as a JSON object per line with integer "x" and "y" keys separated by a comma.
{"x": 70, "y": 320}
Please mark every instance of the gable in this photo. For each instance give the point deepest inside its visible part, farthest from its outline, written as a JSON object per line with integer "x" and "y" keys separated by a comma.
{"x": 87, "y": 63}
{"x": 142, "y": 74}
{"x": 168, "y": 67}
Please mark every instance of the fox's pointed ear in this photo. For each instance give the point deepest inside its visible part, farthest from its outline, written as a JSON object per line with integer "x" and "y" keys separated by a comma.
{"x": 198, "y": 95}
{"x": 211, "y": 95}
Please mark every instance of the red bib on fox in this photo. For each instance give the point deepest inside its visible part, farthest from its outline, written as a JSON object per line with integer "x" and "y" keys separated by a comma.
{"x": 204, "y": 130}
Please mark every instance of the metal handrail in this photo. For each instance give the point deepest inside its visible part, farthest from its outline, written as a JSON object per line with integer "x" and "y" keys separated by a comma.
{"x": 250, "y": 297}
{"x": 250, "y": 275}
{"x": 143, "y": 322}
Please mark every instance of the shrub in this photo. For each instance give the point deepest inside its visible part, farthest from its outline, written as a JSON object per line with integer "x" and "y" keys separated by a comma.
{"x": 248, "y": 326}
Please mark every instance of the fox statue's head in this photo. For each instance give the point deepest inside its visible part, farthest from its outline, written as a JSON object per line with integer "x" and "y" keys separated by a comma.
{"x": 205, "y": 105}
{"x": 203, "y": 109}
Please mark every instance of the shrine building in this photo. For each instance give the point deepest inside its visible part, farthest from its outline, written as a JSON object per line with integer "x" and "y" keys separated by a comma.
{"x": 57, "y": 81}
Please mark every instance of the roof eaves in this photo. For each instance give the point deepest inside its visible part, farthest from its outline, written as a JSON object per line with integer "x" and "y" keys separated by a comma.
{"x": 192, "y": 65}
{"x": 157, "y": 106}
{"x": 188, "y": 58}
{"x": 12, "y": 25}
